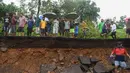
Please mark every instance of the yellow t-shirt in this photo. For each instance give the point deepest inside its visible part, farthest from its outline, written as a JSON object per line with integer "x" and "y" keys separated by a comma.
{"x": 42, "y": 24}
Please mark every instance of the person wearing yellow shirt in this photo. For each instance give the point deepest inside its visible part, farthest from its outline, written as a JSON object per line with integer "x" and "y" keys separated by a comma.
{"x": 42, "y": 27}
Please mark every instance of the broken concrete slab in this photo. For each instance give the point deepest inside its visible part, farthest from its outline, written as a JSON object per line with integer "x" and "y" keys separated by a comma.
{"x": 84, "y": 68}
{"x": 47, "y": 67}
{"x": 99, "y": 68}
{"x": 94, "y": 60}
{"x": 73, "y": 69}
{"x": 85, "y": 60}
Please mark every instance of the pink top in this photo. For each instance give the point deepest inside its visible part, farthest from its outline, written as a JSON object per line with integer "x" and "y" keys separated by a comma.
{"x": 22, "y": 21}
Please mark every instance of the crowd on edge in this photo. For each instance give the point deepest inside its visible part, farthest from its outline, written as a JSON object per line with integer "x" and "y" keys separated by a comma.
{"x": 66, "y": 27}
{"x": 59, "y": 26}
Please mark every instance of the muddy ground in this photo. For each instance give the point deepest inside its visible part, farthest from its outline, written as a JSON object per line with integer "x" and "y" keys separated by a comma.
{"x": 29, "y": 60}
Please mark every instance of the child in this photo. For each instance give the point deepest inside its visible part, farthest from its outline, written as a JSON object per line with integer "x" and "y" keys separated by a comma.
{"x": 43, "y": 27}
{"x": 72, "y": 29}
{"x": 120, "y": 53}
{"x": 30, "y": 26}
{"x": 76, "y": 30}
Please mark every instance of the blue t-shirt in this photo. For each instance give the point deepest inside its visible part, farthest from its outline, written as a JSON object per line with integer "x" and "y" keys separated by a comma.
{"x": 30, "y": 23}
{"x": 76, "y": 29}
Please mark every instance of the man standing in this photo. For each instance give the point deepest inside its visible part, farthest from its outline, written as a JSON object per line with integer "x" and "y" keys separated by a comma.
{"x": 100, "y": 26}
{"x": 128, "y": 28}
{"x": 22, "y": 22}
{"x": 55, "y": 27}
{"x": 30, "y": 26}
{"x": 61, "y": 27}
{"x": 113, "y": 30}
{"x": 13, "y": 25}
{"x": 7, "y": 22}
{"x": 67, "y": 27}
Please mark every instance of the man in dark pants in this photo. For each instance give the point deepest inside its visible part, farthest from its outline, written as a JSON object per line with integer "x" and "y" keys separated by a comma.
{"x": 7, "y": 22}
{"x": 113, "y": 30}
{"x": 61, "y": 27}
{"x": 30, "y": 26}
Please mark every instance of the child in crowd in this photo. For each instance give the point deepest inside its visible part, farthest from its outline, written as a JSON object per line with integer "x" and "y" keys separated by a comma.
{"x": 72, "y": 29}
{"x": 76, "y": 30}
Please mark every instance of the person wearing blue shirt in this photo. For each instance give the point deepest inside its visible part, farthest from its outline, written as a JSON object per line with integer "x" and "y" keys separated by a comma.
{"x": 76, "y": 30}
{"x": 30, "y": 26}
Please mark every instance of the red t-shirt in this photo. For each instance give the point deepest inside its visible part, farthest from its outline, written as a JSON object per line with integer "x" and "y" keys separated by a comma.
{"x": 119, "y": 51}
{"x": 13, "y": 21}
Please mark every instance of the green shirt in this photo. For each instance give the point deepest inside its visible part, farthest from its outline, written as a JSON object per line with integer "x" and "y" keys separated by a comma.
{"x": 100, "y": 26}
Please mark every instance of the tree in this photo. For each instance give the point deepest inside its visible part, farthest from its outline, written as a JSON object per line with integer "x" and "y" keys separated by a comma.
{"x": 87, "y": 9}
{"x": 39, "y": 4}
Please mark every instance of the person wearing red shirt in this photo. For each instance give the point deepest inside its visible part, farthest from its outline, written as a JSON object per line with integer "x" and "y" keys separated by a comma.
{"x": 119, "y": 53}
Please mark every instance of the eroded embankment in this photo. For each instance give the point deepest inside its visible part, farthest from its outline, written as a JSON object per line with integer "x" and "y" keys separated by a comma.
{"x": 29, "y": 60}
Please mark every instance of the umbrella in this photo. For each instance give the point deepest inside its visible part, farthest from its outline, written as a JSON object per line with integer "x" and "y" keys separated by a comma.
{"x": 72, "y": 15}
{"x": 50, "y": 15}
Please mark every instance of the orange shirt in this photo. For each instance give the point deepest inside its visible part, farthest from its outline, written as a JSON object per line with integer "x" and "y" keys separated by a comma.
{"x": 42, "y": 24}
{"x": 119, "y": 51}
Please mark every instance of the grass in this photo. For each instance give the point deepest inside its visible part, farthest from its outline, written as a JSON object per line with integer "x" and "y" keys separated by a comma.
{"x": 120, "y": 33}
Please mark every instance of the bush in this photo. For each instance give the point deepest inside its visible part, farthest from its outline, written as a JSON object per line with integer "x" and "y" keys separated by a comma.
{"x": 92, "y": 31}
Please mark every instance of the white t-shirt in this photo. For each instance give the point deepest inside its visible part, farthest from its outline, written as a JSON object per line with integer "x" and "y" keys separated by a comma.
{"x": 113, "y": 27}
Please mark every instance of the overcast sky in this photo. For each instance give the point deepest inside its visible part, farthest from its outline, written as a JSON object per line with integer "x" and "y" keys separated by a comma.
{"x": 109, "y": 8}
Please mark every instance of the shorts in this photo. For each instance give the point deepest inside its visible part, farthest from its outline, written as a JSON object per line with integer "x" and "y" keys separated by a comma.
{"x": 55, "y": 30}
{"x": 43, "y": 30}
{"x": 21, "y": 29}
{"x": 13, "y": 29}
{"x": 104, "y": 31}
{"x": 6, "y": 28}
{"x": 128, "y": 31}
{"x": 121, "y": 64}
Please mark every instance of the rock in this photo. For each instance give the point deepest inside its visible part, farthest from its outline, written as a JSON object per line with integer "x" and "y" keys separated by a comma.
{"x": 45, "y": 68}
{"x": 73, "y": 69}
{"x": 54, "y": 60}
{"x": 62, "y": 63}
{"x": 128, "y": 65}
{"x": 84, "y": 68}
{"x": 84, "y": 60}
{"x": 94, "y": 60}
{"x": 99, "y": 68}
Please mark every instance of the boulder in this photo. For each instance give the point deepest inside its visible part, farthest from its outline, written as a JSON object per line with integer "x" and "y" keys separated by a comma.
{"x": 45, "y": 68}
{"x": 84, "y": 60}
{"x": 73, "y": 69}
{"x": 99, "y": 68}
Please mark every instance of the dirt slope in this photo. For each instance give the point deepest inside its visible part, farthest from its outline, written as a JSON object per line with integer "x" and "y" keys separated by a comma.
{"x": 29, "y": 60}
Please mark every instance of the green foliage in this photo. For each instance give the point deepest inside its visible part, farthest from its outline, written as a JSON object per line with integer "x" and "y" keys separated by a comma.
{"x": 10, "y": 8}
{"x": 92, "y": 32}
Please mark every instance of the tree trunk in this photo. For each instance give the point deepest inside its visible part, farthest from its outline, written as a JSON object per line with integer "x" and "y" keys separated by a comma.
{"x": 39, "y": 4}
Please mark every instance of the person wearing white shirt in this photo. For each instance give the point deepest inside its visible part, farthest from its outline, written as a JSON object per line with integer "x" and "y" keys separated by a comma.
{"x": 113, "y": 30}
{"x": 55, "y": 27}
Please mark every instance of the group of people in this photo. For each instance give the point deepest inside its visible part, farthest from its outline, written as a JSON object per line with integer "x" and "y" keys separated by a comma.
{"x": 44, "y": 26}
{"x": 106, "y": 27}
